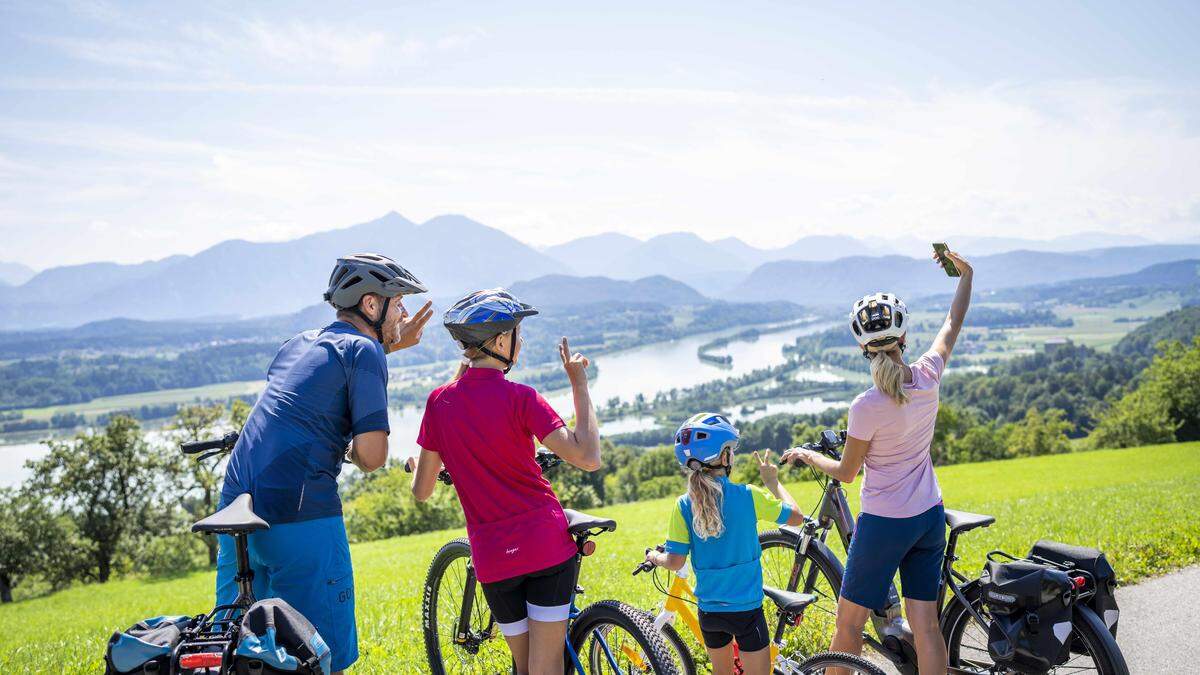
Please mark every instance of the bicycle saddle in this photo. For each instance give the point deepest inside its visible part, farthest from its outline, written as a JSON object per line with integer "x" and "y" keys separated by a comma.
{"x": 961, "y": 521}
{"x": 788, "y": 601}
{"x": 237, "y": 518}
{"x": 579, "y": 522}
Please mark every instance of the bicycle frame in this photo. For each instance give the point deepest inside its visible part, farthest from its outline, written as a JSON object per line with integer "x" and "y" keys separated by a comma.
{"x": 894, "y": 639}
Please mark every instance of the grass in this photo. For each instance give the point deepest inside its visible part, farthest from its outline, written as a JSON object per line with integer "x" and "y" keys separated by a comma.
{"x": 106, "y": 404}
{"x": 1137, "y": 504}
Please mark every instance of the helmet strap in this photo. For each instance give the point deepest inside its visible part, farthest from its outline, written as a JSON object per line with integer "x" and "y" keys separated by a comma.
{"x": 377, "y": 324}
{"x": 512, "y": 352}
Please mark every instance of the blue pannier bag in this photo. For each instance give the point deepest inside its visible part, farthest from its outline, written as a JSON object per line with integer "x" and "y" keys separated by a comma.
{"x": 146, "y": 646}
{"x": 275, "y": 638}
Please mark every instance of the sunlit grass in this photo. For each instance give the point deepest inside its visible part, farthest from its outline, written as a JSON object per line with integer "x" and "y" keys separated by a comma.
{"x": 1136, "y": 504}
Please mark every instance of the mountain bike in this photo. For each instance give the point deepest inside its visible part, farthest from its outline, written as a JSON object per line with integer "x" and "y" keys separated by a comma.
{"x": 798, "y": 559}
{"x": 207, "y": 643}
{"x": 678, "y": 605}
{"x": 461, "y": 635}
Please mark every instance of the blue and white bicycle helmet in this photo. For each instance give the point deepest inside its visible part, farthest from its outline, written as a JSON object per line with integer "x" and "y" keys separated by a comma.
{"x": 700, "y": 440}
{"x": 481, "y": 316}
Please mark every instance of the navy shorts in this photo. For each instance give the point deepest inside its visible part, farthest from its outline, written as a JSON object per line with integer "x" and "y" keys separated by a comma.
{"x": 749, "y": 628}
{"x": 916, "y": 546}
{"x": 308, "y": 565}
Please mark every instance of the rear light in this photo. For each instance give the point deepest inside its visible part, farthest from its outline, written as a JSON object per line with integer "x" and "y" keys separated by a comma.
{"x": 201, "y": 660}
{"x": 589, "y": 547}
{"x": 1079, "y": 582}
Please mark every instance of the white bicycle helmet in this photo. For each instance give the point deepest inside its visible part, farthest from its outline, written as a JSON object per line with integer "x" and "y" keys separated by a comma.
{"x": 878, "y": 321}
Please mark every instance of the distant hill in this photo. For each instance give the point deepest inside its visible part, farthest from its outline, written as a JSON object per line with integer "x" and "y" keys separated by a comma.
{"x": 451, "y": 254}
{"x": 14, "y": 274}
{"x": 1180, "y": 276}
{"x": 1181, "y": 324}
{"x": 599, "y": 254}
{"x": 559, "y": 289}
{"x": 841, "y": 281}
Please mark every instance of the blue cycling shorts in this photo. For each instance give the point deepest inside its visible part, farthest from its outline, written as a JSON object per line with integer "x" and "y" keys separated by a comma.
{"x": 307, "y": 564}
{"x": 914, "y": 545}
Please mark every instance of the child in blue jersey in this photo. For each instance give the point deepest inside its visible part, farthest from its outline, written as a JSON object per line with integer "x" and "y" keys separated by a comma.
{"x": 716, "y": 522}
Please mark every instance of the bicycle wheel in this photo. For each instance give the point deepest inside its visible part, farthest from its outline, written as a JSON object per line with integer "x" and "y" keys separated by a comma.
{"x": 811, "y": 573}
{"x": 966, "y": 641}
{"x": 677, "y": 649}
{"x": 449, "y": 587}
{"x": 854, "y": 665}
{"x": 612, "y": 637}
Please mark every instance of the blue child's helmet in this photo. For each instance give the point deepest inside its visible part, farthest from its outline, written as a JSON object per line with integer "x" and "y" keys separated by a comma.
{"x": 701, "y": 439}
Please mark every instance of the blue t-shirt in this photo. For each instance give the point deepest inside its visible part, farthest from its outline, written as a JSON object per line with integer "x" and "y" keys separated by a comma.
{"x": 728, "y": 573}
{"x": 323, "y": 388}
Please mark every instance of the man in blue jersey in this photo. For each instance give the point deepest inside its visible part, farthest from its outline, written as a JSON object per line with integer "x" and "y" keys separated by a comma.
{"x": 326, "y": 390}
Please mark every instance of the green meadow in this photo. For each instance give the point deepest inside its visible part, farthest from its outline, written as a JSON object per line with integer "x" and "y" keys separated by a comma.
{"x": 1138, "y": 505}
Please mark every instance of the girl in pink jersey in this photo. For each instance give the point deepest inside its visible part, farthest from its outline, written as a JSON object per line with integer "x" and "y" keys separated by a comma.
{"x": 902, "y": 525}
{"x": 483, "y": 428}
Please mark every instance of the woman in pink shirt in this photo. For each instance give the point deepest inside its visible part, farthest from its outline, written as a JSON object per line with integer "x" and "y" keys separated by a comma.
{"x": 902, "y": 525}
{"x": 483, "y": 427}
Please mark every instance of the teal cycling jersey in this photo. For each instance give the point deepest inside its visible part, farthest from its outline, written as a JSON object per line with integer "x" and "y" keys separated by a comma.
{"x": 728, "y": 571}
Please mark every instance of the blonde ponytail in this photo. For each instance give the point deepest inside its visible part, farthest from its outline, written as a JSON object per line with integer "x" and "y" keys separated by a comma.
{"x": 707, "y": 496}
{"x": 889, "y": 376}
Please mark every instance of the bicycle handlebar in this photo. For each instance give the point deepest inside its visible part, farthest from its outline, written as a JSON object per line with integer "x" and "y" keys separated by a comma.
{"x": 828, "y": 445}
{"x": 646, "y": 565}
{"x": 545, "y": 461}
{"x": 223, "y": 444}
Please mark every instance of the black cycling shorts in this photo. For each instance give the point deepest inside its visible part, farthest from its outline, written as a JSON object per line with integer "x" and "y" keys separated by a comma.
{"x": 749, "y": 628}
{"x": 544, "y": 595}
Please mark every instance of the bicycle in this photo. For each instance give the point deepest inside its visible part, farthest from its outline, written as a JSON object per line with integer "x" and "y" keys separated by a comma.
{"x": 208, "y": 642}
{"x": 798, "y": 558}
{"x": 461, "y": 634}
{"x": 680, "y": 597}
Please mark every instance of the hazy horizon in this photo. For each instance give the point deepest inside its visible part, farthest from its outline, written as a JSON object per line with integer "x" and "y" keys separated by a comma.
{"x": 137, "y": 131}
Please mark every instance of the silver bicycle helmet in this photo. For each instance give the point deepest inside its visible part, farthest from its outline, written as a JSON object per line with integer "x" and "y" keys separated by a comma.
{"x": 356, "y": 275}
{"x": 878, "y": 321}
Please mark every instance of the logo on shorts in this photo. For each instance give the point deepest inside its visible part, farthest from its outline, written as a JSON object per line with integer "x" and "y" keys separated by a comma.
{"x": 510, "y": 551}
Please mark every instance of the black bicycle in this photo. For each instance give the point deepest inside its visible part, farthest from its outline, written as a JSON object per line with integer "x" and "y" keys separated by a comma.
{"x": 461, "y": 635}
{"x": 799, "y": 559}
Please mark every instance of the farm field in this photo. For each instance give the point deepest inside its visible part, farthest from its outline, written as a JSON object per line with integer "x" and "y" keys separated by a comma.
{"x": 1136, "y": 504}
{"x": 105, "y": 404}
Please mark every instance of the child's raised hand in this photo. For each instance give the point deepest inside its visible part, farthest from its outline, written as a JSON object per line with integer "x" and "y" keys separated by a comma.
{"x": 575, "y": 364}
{"x": 767, "y": 468}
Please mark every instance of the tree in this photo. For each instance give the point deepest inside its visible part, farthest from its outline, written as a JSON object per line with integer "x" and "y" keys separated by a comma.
{"x": 1164, "y": 407}
{"x": 199, "y": 423}
{"x": 1040, "y": 433}
{"x": 111, "y": 484}
{"x": 34, "y": 541}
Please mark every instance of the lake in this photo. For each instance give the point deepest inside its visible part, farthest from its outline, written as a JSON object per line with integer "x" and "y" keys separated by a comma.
{"x": 642, "y": 370}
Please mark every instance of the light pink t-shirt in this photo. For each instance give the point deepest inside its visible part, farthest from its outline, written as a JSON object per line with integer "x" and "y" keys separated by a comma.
{"x": 899, "y": 480}
{"x": 483, "y": 426}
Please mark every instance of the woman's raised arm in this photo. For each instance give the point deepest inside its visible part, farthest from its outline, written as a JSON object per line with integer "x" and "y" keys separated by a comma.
{"x": 943, "y": 344}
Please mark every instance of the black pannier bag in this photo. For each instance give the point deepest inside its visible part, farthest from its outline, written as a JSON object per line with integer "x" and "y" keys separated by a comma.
{"x": 275, "y": 638}
{"x": 1030, "y": 606}
{"x": 1092, "y": 561}
{"x": 146, "y": 646}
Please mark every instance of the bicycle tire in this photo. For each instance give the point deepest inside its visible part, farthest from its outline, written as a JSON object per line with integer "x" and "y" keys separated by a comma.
{"x": 633, "y": 621}
{"x": 675, "y": 643}
{"x": 817, "y": 663}
{"x": 1097, "y": 641}
{"x": 819, "y": 616}
{"x": 450, "y": 552}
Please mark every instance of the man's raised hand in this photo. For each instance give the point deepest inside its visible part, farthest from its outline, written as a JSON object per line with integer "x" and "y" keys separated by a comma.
{"x": 411, "y": 327}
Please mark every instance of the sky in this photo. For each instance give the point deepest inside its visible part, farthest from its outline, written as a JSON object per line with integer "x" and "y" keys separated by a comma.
{"x": 134, "y": 131}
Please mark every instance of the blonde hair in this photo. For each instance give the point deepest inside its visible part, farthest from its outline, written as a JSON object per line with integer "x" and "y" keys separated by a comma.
{"x": 470, "y": 355}
{"x": 889, "y": 376}
{"x": 707, "y": 496}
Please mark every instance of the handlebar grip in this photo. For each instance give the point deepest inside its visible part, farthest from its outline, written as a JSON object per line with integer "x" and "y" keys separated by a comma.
{"x": 193, "y": 447}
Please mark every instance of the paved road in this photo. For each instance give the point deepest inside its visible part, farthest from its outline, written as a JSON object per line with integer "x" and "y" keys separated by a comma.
{"x": 1159, "y": 630}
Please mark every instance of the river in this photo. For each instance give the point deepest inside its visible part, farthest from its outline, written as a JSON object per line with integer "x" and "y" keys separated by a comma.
{"x": 642, "y": 370}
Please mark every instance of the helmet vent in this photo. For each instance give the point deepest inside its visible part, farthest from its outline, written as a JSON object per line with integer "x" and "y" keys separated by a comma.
{"x": 353, "y": 280}
{"x": 899, "y": 319}
{"x": 857, "y": 331}
{"x": 379, "y": 276}
{"x": 701, "y": 435}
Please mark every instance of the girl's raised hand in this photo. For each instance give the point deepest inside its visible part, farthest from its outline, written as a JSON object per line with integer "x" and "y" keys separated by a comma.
{"x": 767, "y": 468}
{"x": 575, "y": 364}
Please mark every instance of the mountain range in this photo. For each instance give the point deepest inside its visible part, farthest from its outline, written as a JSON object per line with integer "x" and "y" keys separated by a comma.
{"x": 454, "y": 254}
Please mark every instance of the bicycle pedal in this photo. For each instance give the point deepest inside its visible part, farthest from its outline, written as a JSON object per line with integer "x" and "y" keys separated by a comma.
{"x": 578, "y": 590}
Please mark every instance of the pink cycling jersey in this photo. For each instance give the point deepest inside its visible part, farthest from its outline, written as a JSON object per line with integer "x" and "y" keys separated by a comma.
{"x": 483, "y": 427}
{"x": 899, "y": 480}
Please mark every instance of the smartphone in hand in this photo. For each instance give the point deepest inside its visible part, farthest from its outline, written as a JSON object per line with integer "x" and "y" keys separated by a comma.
{"x": 947, "y": 264}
